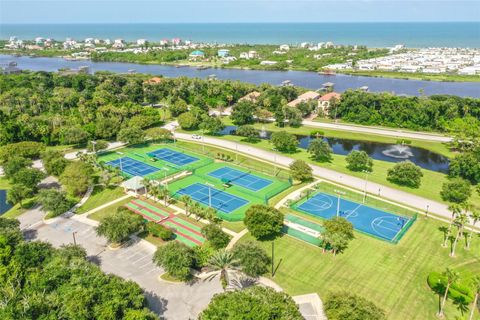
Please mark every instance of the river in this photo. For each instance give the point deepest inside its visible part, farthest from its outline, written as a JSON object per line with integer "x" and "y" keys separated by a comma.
{"x": 311, "y": 80}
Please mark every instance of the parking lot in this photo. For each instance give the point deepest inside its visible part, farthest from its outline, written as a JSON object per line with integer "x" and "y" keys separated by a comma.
{"x": 133, "y": 262}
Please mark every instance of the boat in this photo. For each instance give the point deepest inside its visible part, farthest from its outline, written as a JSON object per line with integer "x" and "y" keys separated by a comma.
{"x": 202, "y": 68}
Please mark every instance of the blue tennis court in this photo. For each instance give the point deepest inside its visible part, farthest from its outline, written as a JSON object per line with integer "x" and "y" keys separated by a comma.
{"x": 132, "y": 166}
{"x": 172, "y": 156}
{"x": 243, "y": 179}
{"x": 220, "y": 200}
{"x": 367, "y": 219}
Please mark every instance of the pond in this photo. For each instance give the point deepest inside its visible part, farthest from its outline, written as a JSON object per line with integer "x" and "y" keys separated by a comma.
{"x": 4, "y": 206}
{"x": 379, "y": 151}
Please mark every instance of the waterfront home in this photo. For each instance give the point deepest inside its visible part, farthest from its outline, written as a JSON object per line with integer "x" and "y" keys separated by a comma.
{"x": 222, "y": 53}
{"x": 176, "y": 41}
{"x": 154, "y": 80}
{"x": 284, "y": 47}
{"x": 90, "y": 40}
{"x": 39, "y": 40}
{"x": 305, "y": 97}
{"x": 197, "y": 54}
{"x": 118, "y": 44}
{"x": 252, "y": 97}
{"x": 326, "y": 100}
{"x": 141, "y": 42}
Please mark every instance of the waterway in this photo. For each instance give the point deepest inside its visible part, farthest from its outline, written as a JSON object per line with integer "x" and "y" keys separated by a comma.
{"x": 311, "y": 80}
{"x": 379, "y": 151}
{"x": 4, "y": 206}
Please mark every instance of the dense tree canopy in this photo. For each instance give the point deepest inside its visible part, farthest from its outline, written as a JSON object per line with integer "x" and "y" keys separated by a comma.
{"x": 253, "y": 258}
{"x": 284, "y": 141}
{"x": 263, "y": 221}
{"x": 176, "y": 258}
{"x": 301, "y": 171}
{"x": 456, "y": 190}
{"x": 252, "y": 304}
{"x": 359, "y": 161}
{"x": 344, "y": 305}
{"x": 405, "y": 173}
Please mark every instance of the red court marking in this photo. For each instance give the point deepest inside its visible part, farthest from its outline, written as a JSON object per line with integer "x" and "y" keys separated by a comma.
{"x": 150, "y": 210}
{"x": 185, "y": 227}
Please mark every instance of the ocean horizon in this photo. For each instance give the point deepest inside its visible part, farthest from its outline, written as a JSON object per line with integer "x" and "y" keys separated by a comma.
{"x": 371, "y": 34}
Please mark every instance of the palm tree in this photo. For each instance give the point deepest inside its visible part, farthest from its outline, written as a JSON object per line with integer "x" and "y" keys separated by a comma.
{"x": 163, "y": 194}
{"x": 222, "y": 262}
{"x": 195, "y": 208}
{"x": 155, "y": 191}
{"x": 460, "y": 222}
{"x": 475, "y": 216}
{"x": 187, "y": 201}
{"x": 455, "y": 209}
{"x": 477, "y": 293}
{"x": 148, "y": 185}
{"x": 201, "y": 213}
{"x": 211, "y": 215}
{"x": 452, "y": 277}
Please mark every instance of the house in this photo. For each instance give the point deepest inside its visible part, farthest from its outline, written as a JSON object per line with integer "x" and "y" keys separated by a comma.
{"x": 268, "y": 63}
{"x": 307, "y": 96}
{"x": 284, "y": 47}
{"x": 141, "y": 42}
{"x": 222, "y": 53}
{"x": 39, "y": 40}
{"x": 252, "y": 97}
{"x": 154, "y": 80}
{"x": 90, "y": 40}
{"x": 326, "y": 100}
{"x": 197, "y": 54}
{"x": 10, "y": 68}
{"x": 176, "y": 41}
{"x": 252, "y": 54}
{"x": 118, "y": 44}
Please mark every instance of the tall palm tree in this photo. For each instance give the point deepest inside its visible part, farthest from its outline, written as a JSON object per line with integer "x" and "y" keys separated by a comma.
{"x": 460, "y": 222}
{"x": 475, "y": 216}
{"x": 452, "y": 277}
{"x": 223, "y": 262}
{"x": 475, "y": 299}
{"x": 187, "y": 201}
{"x": 148, "y": 185}
{"x": 164, "y": 194}
{"x": 455, "y": 209}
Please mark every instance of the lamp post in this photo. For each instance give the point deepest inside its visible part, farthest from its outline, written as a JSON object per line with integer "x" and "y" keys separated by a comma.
{"x": 94, "y": 143}
{"x": 365, "y": 187}
{"x": 74, "y": 239}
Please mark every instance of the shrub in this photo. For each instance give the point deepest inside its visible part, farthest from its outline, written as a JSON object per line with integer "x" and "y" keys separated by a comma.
{"x": 263, "y": 221}
{"x": 160, "y": 231}
{"x": 458, "y": 292}
{"x": 176, "y": 258}
{"x": 344, "y": 305}
{"x": 215, "y": 236}
{"x": 358, "y": 161}
{"x": 405, "y": 173}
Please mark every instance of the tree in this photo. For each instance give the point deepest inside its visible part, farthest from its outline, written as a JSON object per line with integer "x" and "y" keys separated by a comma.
{"x": 293, "y": 115}
{"x": 242, "y": 112}
{"x": 460, "y": 221}
{"x": 249, "y": 132}
{"x": 15, "y": 164}
{"x": 29, "y": 177}
{"x": 252, "y": 303}
{"x": 211, "y": 124}
{"x": 456, "y": 190}
{"x": 187, "y": 201}
{"x": 188, "y": 121}
{"x": 338, "y": 233}
{"x": 215, "y": 236}
{"x": 159, "y": 134}
{"x": 131, "y": 135}
{"x": 301, "y": 171}
{"x": 263, "y": 221}
{"x": 466, "y": 165}
{"x": 475, "y": 217}
{"x": 359, "y": 161}
{"x": 452, "y": 277}
{"x": 253, "y": 258}
{"x": 73, "y": 135}
{"x": 54, "y": 162}
{"x": 76, "y": 177}
{"x": 176, "y": 258}
{"x": 284, "y": 141}
{"x": 97, "y": 145}
{"x": 119, "y": 226}
{"x": 345, "y": 305}
{"x": 24, "y": 149}
{"x": 476, "y": 285}
{"x": 18, "y": 193}
{"x": 455, "y": 209}
{"x": 320, "y": 150}
{"x": 223, "y": 262}
{"x": 54, "y": 201}
{"x": 405, "y": 173}
{"x": 160, "y": 231}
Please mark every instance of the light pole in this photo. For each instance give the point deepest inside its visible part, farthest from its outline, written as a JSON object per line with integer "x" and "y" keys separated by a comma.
{"x": 74, "y": 240}
{"x": 94, "y": 143}
{"x": 426, "y": 212}
{"x": 365, "y": 187}
{"x": 273, "y": 257}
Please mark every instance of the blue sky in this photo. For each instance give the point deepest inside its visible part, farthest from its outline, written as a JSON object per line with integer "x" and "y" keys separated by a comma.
{"x": 158, "y": 11}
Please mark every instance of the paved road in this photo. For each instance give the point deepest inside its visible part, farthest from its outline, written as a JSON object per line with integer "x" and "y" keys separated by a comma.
{"x": 378, "y": 131}
{"x": 171, "y": 301}
{"x": 351, "y": 181}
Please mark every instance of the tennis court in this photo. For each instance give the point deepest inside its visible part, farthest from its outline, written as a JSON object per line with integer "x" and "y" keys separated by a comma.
{"x": 213, "y": 197}
{"x": 240, "y": 178}
{"x": 132, "y": 166}
{"x": 375, "y": 222}
{"x": 172, "y": 156}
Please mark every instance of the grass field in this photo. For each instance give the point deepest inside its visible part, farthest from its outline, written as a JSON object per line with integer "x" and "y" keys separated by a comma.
{"x": 99, "y": 215}
{"x": 100, "y": 196}
{"x": 139, "y": 153}
{"x": 393, "y": 276}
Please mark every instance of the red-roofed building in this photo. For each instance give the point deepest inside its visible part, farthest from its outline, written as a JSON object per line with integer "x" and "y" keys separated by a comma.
{"x": 154, "y": 80}
{"x": 326, "y": 100}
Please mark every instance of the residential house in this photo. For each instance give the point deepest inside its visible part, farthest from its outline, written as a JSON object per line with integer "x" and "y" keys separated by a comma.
{"x": 197, "y": 54}
{"x": 252, "y": 97}
{"x": 154, "y": 80}
{"x": 268, "y": 63}
{"x": 284, "y": 47}
{"x": 141, "y": 42}
{"x": 222, "y": 53}
{"x": 326, "y": 100}
{"x": 118, "y": 44}
{"x": 307, "y": 96}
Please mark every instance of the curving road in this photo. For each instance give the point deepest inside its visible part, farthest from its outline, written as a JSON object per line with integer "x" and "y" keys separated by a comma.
{"x": 379, "y": 131}
{"x": 347, "y": 180}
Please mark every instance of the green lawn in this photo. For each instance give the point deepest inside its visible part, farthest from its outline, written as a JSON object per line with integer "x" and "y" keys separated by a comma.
{"x": 4, "y": 184}
{"x": 393, "y": 276}
{"x": 100, "y": 196}
{"x": 99, "y": 215}
{"x": 428, "y": 189}
{"x": 235, "y": 226}
{"x": 18, "y": 210}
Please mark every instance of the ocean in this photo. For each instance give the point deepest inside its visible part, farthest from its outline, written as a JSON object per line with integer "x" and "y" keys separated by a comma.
{"x": 385, "y": 34}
